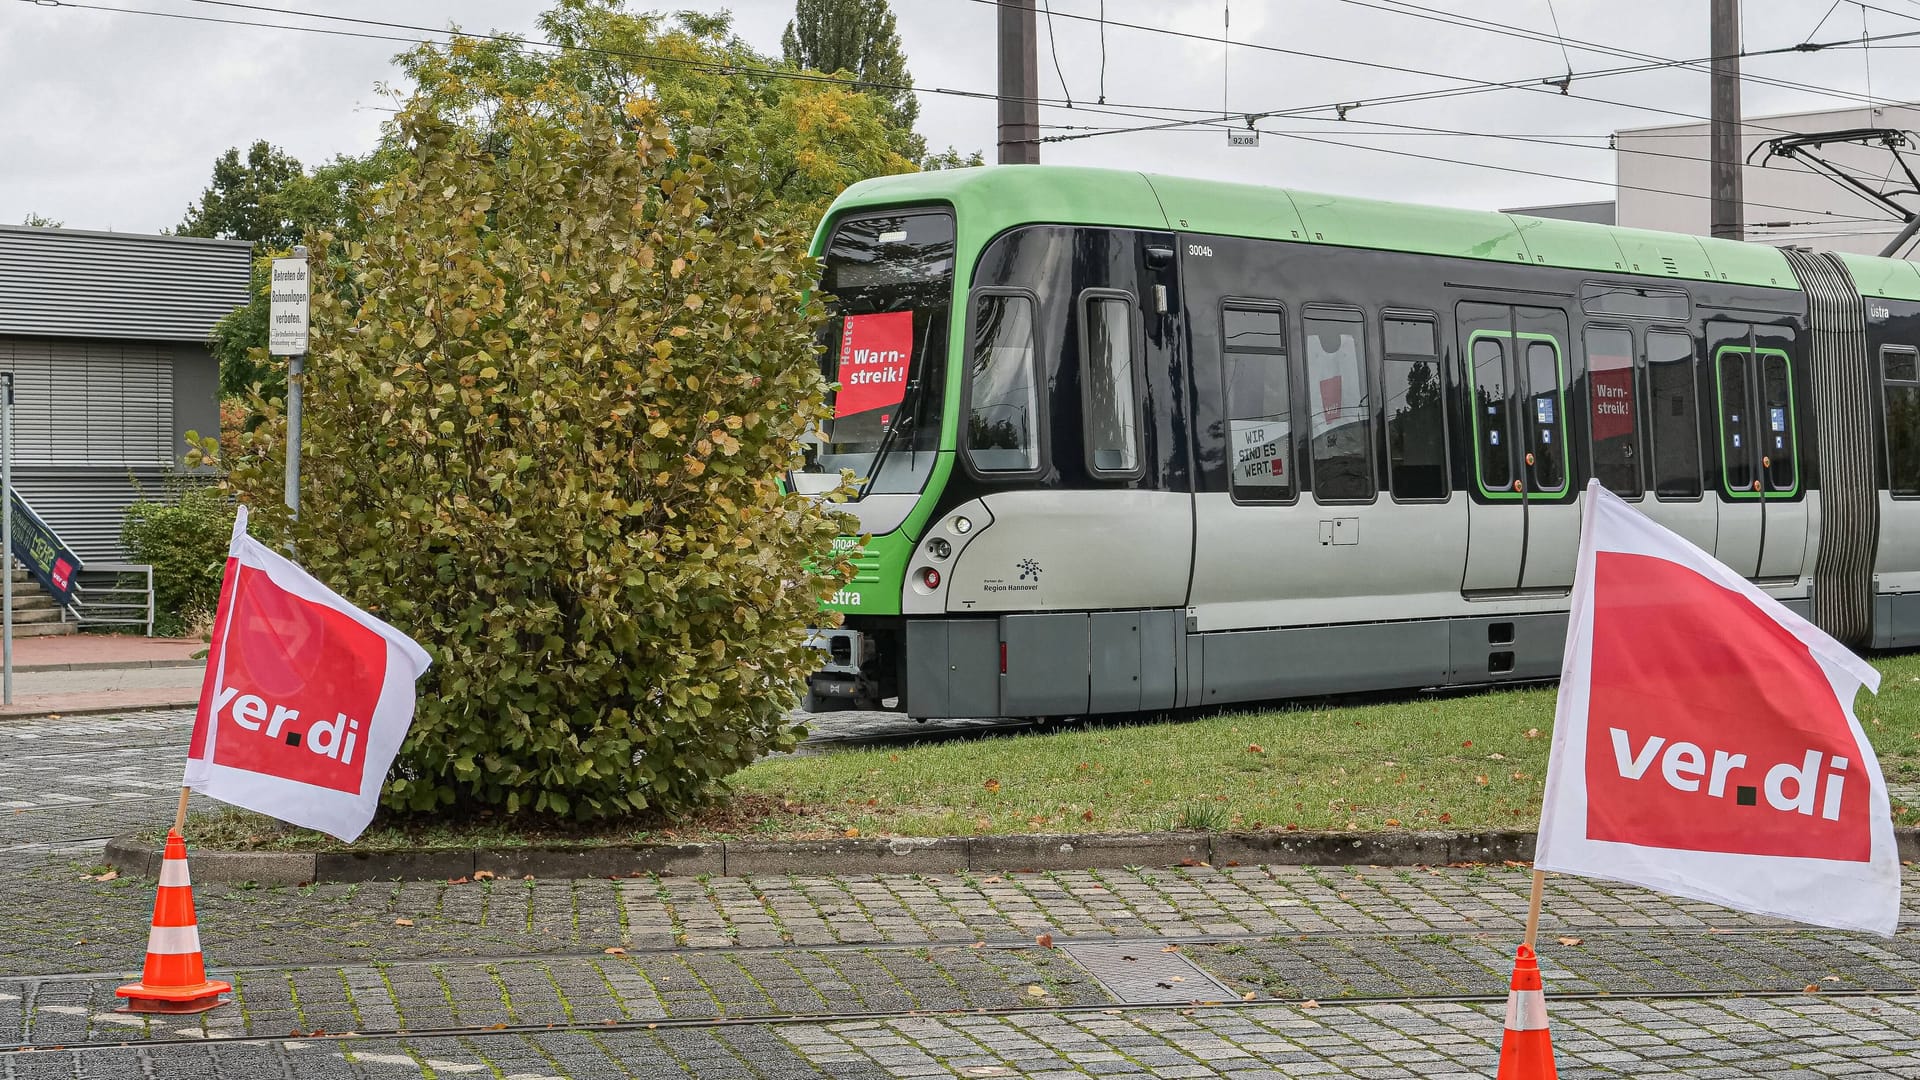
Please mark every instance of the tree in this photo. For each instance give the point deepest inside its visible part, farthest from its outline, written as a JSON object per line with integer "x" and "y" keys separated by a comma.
{"x": 242, "y": 202}
{"x": 328, "y": 199}
{"x": 36, "y": 221}
{"x": 798, "y": 142}
{"x": 859, "y": 38}
{"x": 552, "y": 390}
{"x": 951, "y": 159}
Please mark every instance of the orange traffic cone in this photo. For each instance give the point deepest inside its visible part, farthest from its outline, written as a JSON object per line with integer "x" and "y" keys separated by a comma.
{"x": 175, "y": 979}
{"x": 1526, "y": 1050}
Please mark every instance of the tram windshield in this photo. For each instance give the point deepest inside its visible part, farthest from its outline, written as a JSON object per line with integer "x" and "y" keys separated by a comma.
{"x": 889, "y": 282}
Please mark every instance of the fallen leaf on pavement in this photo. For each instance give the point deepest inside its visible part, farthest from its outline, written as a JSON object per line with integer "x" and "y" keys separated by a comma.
{"x": 483, "y": 875}
{"x": 1036, "y": 990}
{"x": 852, "y": 833}
{"x": 1248, "y": 996}
{"x": 1171, "y": 948}
{"x": 1309, "y": 1004}
{"x": 403, "y": 922}
{"x": 615, "y": 951}
{"x": 1045, "y": 941}
{"x": 1569, "y": 941}
{"x": 1812, "y": 988}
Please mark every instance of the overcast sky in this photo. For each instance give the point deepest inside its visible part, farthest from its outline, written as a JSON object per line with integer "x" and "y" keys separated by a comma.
{"x": 111, "y": 120}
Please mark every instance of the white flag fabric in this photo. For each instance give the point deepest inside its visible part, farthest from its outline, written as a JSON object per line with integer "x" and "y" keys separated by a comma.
{"x": 306, "y": 699}
{"x": 1704, "y": 742}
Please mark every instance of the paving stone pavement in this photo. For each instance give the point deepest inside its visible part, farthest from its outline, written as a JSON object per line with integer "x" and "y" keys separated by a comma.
{"x": 1321, "y": 971}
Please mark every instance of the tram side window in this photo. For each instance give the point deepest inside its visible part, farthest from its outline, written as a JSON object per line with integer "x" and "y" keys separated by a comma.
{"x": 1779, "y": 469}
{"x": 1613, "y": 417}
{"x": 1674, "y": 421}
{"x": 1902, "y": 368}
{"x": 1338, "y": 409}
{"x": 1546, "y": 419}
{"x": 1113, "y": 417}
{"x": 1736, "y": 420}
{"x": 1002, "y": 421}
{"x": 1259, "y": 406}
{"x": 1490, "y": 413}
{"x": 1416, "y": 435}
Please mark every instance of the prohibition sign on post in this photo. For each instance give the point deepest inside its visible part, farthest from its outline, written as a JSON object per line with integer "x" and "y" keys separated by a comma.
{"x": 287, "y": 308}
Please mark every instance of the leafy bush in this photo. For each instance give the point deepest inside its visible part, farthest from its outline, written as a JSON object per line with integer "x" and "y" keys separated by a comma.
{"x": 184, "y": 536}
{"x": 552, "y": 392}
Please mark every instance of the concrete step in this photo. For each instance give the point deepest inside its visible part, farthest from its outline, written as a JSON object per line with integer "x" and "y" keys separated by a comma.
{"x": 43, "y": 629}
{"x": 36, "y": 615}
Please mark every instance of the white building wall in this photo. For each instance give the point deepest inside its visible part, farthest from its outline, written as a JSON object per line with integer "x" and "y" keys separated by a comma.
{"x": 1652, "y": 162}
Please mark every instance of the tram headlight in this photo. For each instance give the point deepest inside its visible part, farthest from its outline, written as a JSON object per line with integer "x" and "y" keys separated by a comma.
{"x": 962, "y": 526}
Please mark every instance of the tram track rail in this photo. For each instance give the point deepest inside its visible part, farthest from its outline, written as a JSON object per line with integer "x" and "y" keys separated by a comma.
{"x": 346, "y": 1038}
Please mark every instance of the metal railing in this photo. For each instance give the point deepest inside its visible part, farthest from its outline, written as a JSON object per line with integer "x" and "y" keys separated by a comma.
{"x": 112, "y": 594}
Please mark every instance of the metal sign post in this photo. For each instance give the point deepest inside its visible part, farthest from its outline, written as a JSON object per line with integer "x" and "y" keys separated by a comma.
{"x": 288, "y": 305}
{"x": 6, "y": 532}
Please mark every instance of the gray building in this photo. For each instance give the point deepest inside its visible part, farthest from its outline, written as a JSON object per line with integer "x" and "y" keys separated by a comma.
{"x": 1663, "y": 171}
{"x": 106, "y": 336}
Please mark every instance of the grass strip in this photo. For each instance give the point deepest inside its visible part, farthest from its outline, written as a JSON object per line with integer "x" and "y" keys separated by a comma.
{"x": 1459, "y": 762}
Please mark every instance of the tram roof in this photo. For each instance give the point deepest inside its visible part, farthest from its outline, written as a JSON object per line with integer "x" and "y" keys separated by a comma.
{"x": 990, "y": 199}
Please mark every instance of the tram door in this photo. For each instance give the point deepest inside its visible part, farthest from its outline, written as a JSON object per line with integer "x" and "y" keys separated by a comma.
{"x": 1524, "y": 517}
{"x": 1754, "y": 427}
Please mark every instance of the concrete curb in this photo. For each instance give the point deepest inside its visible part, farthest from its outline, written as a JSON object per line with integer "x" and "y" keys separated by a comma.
{"x": 901, "y": 855}
{"x": 41, "y": 712}
{"x": 106, "y": 665}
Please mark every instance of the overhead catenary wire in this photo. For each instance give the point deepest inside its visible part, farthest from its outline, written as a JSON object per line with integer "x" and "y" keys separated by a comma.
{"x": 1702, "y": 65}
{"x": 1545, "y": 83}
{"x": 779, "y": 73}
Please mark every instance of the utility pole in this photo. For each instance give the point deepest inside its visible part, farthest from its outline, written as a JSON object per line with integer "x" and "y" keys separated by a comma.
{"x": 1725, "y": 183}
{"x": 1019, "y": 84}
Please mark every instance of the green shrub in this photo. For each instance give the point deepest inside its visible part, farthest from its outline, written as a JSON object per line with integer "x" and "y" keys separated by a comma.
{"x": 551, "y": 395}
{"x": 184, "y": 535}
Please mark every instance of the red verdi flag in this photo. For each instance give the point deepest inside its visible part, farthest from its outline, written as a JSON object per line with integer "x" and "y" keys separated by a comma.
{"x": 306, "y": 699}
{"x": 1705, "y": 744}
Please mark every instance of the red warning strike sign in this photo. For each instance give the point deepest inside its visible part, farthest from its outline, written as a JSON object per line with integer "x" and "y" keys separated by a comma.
{"x": 875, "y": 351}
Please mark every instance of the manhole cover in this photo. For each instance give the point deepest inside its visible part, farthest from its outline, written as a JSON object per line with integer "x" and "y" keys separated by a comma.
{"x": 1139, "y": 974}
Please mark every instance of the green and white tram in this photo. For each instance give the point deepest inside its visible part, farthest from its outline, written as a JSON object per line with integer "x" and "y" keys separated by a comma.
{"x": 1138, "y": 443}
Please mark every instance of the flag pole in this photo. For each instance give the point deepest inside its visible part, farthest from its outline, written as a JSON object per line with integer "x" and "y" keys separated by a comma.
{"x": 1533, "y": 901}
{"x": 180, "y": 815}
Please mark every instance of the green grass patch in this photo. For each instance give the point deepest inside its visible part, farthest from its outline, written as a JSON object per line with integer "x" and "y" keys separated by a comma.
{"x": 1453, "y": 762}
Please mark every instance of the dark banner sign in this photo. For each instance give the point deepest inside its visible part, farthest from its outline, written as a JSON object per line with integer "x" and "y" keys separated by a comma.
{"x": 39, "y": 549}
